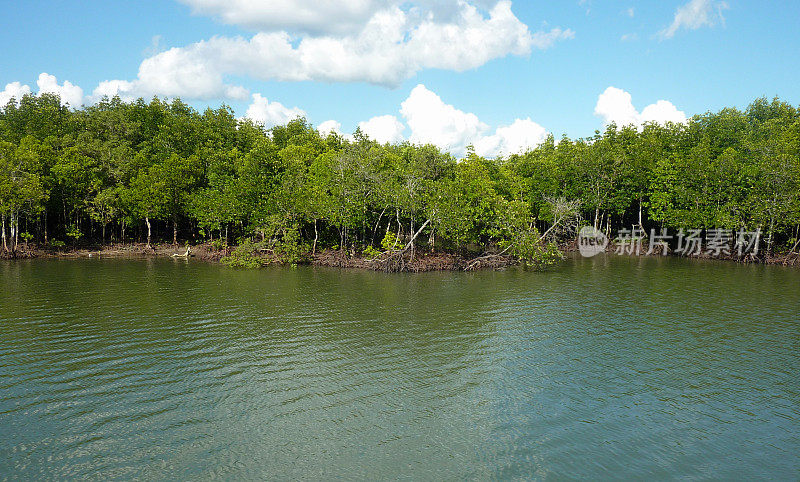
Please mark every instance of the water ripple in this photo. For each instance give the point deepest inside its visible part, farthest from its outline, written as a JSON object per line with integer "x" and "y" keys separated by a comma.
{"x": 638, "y": 368}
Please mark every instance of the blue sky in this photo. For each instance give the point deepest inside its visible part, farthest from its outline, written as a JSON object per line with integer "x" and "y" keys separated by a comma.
{"x": 504, "y": 74}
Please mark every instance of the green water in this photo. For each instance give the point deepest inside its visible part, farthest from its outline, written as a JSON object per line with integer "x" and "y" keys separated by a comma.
{"x": 605, "y": 367}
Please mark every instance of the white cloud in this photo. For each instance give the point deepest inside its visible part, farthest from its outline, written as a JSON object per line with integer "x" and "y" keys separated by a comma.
{"x": 615, "y": 105}
{"x": 629, "y": 12}
{"x": 156, "y": 46}
{"x": 385, "y": 44}
{"x": 695, "y": 14}
{"x": 385, "y": 128}
{"x": 629, "y": 37}
{"x": 270, "y": 114}
{"x": 70, "y": 94}
{"x": 434, "y": 122}
{"x": 13, "y": 90}
{"x": 330, "y": 126}
{"x": 308, "y": 16}
{"x": 521, "y": 136}
{"x": 663, "y": 112}
{"x": 110, "y": 88}
{"x": 545, "y": 40}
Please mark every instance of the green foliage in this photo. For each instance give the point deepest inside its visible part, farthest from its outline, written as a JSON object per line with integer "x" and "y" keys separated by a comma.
{"x": 115, "y": 165}
{"x": 389, "y": 242}
{"x": 246, "y": 255}
{"x": 289, "y": 247}
{"x": 74, "y": 232}
{"x": 371, "y": 253}
{"x": 521, "y": 239}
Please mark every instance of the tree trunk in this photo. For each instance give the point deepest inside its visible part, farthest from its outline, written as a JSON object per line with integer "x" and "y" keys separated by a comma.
{"x": 377, "y": 224}
{"x": 412, "y": 242}
{"x": 641, "y": 226}
{"x": 13, "y": 234}
{"x": 5, "y": 246}
{"x": 147, "y": 222}
{"x": 174, "y": 230}
{"x": 16, "y": 231}
{"x": 316, "y": 237}
{"x": 796, "y": 244}
{"x": 399, "y": 229}
{"x": 45, "y": 226}
{"x": 769, "y": 238}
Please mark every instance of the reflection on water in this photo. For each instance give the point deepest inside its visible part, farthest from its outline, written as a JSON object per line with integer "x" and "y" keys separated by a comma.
{"x": 632, "y": 367}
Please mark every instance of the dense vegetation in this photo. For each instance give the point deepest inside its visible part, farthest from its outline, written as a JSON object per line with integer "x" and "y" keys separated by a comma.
{"x": 116, "y": 172}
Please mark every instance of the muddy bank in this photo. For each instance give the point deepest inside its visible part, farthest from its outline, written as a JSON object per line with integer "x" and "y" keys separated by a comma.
{"x": 132, "y": 251}
{"x": 420, "y": 262}
{"x": 336, "y": 259}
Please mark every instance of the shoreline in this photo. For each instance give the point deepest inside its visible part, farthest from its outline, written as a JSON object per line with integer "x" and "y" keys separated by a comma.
{"x": 421, "y": 262}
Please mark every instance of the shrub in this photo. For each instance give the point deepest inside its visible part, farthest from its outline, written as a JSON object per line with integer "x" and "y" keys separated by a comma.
{"x": 246, "y": 255}
{"x": 371, "y": 253}
{"x": 74, "y": 232}
{"x": 389, "y": 242}
{"x": 217, "y": 245}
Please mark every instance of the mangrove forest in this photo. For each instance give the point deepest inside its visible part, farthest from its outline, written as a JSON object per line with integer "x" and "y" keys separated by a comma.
{"x": 158, "y": 171}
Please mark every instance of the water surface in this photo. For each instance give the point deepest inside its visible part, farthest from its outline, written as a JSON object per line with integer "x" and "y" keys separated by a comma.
{"x": 611, "y": 366}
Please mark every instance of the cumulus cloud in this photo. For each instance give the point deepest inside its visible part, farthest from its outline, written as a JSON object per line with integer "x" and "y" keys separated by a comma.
{"x": 110, "y": 88}
{"x": 383, "y": 42}
{"x": 522, "y": 135}
{"x": 385, "y": 128}
{"x": 616, "y": 105}
{"x": 431, "y": 121}
{"x": 330, "y": 126}
{"x": 70, "y": 94}
{"x": 693, "y": 15}
{"x": 663, "y": 112}
{"x": 270, "y": 114}
{"x": 14, "y": 90}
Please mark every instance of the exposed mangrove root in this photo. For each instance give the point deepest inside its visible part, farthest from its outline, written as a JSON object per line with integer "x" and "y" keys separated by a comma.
{"x": 184, "y": 255}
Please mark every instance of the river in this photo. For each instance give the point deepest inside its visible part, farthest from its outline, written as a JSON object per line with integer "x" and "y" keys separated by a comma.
{"x": 610, "y": 366}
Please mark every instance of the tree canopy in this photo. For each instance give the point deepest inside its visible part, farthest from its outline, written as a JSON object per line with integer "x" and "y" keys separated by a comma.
{"x": 135, "y": 170}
